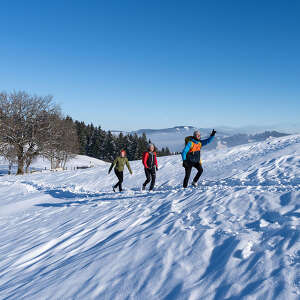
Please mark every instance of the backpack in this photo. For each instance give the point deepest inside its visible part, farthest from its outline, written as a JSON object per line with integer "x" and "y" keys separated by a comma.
{"x": 154, "y": 156}
{"x": 188, "y": 139}
{"x": 191, "y": 155}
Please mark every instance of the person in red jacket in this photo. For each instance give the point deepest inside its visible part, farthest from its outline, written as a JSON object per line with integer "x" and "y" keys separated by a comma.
{"x": 150, "y": 164}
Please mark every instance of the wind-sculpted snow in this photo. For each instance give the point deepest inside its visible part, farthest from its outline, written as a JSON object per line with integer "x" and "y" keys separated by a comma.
{"x": 66, "y": 235}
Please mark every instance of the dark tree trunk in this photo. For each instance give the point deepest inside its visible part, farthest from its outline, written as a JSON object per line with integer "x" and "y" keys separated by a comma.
{"x": 20, "y": 161}
{"x": 28, "y": 163}
{"x": 20, "y": 166}
{"x": 9, "y": 168}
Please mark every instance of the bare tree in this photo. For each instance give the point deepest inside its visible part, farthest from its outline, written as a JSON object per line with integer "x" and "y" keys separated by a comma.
{"x": 63, "y": 144}
{"x": 70, "y": 144}
{"x": 25, "y": 124}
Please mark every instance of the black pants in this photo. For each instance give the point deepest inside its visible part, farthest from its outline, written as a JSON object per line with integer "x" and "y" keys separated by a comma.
{"x": 188, "y": 169}
{"x": 150, "y": 175}
{"x": 120, "y": 177}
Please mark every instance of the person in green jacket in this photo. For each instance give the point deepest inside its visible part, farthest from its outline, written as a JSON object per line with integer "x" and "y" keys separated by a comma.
{"x": 119, "y": 164}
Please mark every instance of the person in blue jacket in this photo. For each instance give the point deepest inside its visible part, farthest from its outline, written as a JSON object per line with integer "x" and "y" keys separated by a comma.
{"x": 191, "y": 156}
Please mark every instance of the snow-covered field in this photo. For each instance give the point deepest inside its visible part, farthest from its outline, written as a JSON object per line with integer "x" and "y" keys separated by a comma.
{"x": 41, "y": 164}
{"x": 66, "y": 235}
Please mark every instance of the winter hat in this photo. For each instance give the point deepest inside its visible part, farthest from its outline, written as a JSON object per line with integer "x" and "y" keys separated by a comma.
{"x": 196, "y": 132}
{"x": 150, "y": 145}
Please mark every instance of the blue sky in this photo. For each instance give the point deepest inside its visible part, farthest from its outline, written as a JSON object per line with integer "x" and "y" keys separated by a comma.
{"x": 153, "y": 64}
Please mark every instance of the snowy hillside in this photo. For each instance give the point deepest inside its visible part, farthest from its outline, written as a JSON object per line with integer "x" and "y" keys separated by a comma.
{"x": 42, "y": 163}
{"x": 66, "y": 235}
{"x": 173, "y": 138}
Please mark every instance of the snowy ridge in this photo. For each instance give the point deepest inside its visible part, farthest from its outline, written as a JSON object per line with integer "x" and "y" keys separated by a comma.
{"x": 66, "y": 235}
{"x": 173, "y": 138}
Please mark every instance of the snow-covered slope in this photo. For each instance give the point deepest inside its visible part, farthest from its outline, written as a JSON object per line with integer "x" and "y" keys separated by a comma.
{"x": 66, "y": 235}
{"x": 173, "y": 138}
{"x": 41, "y": 163}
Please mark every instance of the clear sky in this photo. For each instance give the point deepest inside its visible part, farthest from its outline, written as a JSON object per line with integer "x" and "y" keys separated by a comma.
{"x": 154, "y": 64}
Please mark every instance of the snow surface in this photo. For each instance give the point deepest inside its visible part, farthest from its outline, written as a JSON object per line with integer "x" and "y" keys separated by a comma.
{"x": 66, "y": 235}
{"x": 41, "y": 164}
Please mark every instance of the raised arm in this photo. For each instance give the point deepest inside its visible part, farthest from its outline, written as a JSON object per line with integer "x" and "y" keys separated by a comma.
{"x": 207, "y": 141}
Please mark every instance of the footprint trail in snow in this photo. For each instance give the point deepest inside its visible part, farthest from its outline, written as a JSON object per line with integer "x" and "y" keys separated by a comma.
{"x": 66, "y": 235}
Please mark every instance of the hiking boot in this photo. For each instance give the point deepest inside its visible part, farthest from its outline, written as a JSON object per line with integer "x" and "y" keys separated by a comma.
{"x": 143, "y": 188}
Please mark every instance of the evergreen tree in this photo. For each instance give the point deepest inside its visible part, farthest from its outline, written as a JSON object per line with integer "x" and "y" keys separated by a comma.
{"x": 95, "y": 142}
{"x": 102, "y": 138}
{"x": 142, "y": 146}
{"x": 168, "y": 152}
{"x": 82, "y": 137}
{"x": 121, "y": 142}
{"x": 110, "y": 148}
{"x": 131, "y": 148}
{"x": 94, "y": 145}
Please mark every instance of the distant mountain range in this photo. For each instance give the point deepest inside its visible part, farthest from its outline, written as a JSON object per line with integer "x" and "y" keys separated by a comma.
{"x": 225, "y": 137}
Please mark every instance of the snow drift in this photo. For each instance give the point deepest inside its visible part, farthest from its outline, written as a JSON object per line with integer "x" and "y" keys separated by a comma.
{"x": 66, "y": 235}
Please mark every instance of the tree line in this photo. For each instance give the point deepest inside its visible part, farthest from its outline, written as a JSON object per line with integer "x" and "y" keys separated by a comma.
{"x": 104, "y": 145}
{"x": 32, "y": 126}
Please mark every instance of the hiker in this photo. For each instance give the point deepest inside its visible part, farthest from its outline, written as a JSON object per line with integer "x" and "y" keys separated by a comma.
{"x": 119, "y": 164}
{"x": 191, "y": 155}
{"x": 150, "y": 163}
